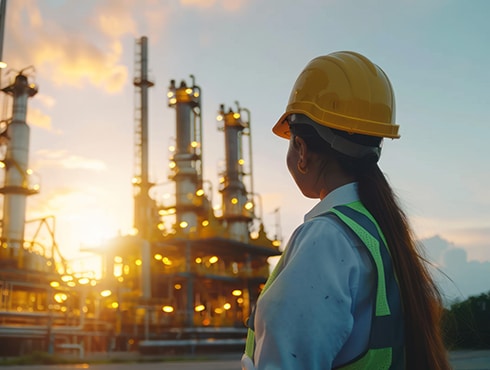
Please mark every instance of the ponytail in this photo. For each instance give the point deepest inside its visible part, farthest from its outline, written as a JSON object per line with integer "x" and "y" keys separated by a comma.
{"x": 420, "y": 296}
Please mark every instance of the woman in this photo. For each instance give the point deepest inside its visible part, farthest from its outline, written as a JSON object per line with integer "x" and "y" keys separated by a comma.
{"x": 350, "y": 290}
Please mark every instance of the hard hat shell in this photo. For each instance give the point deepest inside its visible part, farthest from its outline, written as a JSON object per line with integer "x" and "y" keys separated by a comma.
{"x": 344, "y": 91}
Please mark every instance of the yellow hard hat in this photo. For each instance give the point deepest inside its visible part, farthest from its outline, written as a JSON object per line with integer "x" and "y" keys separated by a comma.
{"x": 344, "y": 91}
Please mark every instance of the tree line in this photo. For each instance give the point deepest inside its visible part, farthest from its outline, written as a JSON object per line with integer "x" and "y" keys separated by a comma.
{"x": 466, "y": 324}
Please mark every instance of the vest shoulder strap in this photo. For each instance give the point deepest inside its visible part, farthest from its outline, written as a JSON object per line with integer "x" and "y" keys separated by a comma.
{"x": 386, "y": 342}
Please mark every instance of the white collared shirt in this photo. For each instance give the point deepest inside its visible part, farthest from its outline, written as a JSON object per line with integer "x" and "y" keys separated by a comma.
{"x": 317, "y": 312}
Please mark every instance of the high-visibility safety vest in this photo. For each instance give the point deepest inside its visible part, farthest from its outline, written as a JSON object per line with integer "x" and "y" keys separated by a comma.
{"x": 386, "y": 350}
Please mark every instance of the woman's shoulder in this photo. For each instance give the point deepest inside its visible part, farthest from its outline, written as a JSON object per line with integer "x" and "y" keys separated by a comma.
{"x": 325, "y": 225}
{"x": 324, "y": 234}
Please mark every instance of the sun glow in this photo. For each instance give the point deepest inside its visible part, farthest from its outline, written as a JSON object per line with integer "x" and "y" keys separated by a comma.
{"x": 82, "y": 226}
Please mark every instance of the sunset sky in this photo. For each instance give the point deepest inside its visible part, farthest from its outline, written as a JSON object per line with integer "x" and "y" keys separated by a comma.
{"x": 435, "y": 52}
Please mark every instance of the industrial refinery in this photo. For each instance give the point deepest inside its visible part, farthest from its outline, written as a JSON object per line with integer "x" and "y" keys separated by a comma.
{"x": 185, "y": 280}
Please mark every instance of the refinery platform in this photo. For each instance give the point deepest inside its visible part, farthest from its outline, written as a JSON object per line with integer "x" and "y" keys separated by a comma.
{"x": 183, "y": 281}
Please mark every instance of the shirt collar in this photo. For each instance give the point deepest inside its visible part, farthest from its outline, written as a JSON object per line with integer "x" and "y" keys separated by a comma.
{"x": 345, "y": 194}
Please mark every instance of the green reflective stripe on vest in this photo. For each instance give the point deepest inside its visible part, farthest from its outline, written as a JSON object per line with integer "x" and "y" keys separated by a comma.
{"x": 379, "y": 359}
{"x": 382, "y": 307}
{"x": 250, "y": 344}
{"x": 359, "y": 207}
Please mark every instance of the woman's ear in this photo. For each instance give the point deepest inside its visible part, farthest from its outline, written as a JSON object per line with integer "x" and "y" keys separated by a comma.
{"x": 303, "y": 154}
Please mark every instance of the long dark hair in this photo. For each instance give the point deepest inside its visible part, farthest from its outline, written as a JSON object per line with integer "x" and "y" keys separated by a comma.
{"x": 421, "y": 299}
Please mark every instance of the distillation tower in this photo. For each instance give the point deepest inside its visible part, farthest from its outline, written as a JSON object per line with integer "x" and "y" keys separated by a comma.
{"x": 187, "y": 159}
{"x": 17, "y": 174}
{"x": 237, "y": 202}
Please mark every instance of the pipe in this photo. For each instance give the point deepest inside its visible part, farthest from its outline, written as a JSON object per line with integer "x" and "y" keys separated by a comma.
{"x": 3, "y": 10}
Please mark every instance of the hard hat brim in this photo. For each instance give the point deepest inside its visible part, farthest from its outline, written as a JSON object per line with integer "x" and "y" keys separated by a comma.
{"x": 351, "y": 125}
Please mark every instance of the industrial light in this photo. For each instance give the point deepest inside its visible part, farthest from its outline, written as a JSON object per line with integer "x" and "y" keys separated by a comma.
{"x": 249, "y": 206}
{"x": 241, "y": 162}
{"x": 118, "y": 259}
{"x": 199, "y": 308}
{"x": 105, "y": 293}
{"x": 194, "y": 144}
{"x": 168, "y": 309}
{"x": 188, "y": 91}
{"x": 170, "y": 94}
{"x": 227, "y": 306}
{"x": 54, "y": 284}
{"x": 234, "y": 200}
{"x": 236, "y": 115}
{"x": 200, "y": 192}
{"x": 183, "y": 224}
{"x": 115, "y": 305}
{"x": 213, "y": 259}
{"x": 171, "y": 148}
{"x": 205, "y": 223}
{"x": 276, "y": 243}
{"x": 158, "y": 257}
{"x": 177, "y": 286}
{"x": 138, "y": 262}
{"x": 83, "y": 281}
{"x": 219, "y": 118}
{"x": 3, "y": 65}
{"x": 60, "y": 297}
{"x": 237, "y": 293}
{"x": 166, "y": 261}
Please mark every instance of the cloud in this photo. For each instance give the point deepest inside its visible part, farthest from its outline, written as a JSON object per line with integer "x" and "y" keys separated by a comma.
{"x": 62, "y": 199}
{"x": 72, "y": 56}
{"x": 457, "y": 276}
{"x": 198, "y": 3}
{"x": 80, "y": 44}
{"x": 61, "y": 158}
{"x": 227, "y": 5}
{"x": 46, "y": 100}
{"x": 36, "y": 117}
{"x": 115, "y": 19}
